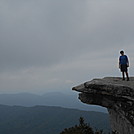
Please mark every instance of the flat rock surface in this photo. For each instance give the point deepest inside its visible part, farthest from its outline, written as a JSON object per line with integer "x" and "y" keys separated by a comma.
{"x": 114, "y": 86}
{"x": 118, "y": 80}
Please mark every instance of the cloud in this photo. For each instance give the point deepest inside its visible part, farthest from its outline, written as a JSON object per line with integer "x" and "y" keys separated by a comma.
{"x": 55, "y": 44}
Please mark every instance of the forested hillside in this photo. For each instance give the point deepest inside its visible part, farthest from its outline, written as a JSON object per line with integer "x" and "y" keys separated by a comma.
{"x": 45, "y": 119}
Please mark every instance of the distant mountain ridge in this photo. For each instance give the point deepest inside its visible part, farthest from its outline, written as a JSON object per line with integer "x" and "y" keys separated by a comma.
{"x": 46, "y": 119}
{"x": 48, "y": 99}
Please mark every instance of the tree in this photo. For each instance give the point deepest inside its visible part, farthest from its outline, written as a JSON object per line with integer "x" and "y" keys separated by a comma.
{"x": 82, "y": 128}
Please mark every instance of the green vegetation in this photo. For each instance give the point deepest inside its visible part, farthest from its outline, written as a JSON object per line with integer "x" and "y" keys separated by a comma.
{"x": 46, "y": 120}
{"x": 82, "y": 128}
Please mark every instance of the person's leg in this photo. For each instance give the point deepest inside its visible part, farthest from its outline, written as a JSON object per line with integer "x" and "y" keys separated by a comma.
{"x": 123, "y": 76}
{"x": 127, "y": 76}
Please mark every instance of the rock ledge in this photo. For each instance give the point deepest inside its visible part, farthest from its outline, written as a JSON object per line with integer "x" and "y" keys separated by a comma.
{"x": 114, "y": 94}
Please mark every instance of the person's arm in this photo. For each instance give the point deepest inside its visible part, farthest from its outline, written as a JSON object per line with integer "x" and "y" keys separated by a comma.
{"x": 119, "y": 62}
{"x": 127, "y": 61}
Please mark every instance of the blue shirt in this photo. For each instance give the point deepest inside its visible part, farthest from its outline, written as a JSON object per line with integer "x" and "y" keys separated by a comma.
{"x": 123, "y": 60}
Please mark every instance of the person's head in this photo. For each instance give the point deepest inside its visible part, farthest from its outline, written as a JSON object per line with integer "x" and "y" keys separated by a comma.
{"x": 122, "y": 52}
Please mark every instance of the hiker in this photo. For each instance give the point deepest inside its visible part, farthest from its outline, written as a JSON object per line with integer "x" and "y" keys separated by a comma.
{"x": 123, "y": 65}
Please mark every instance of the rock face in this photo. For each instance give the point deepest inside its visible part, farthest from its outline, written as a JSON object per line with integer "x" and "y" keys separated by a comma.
{"x": 114, "y": 94}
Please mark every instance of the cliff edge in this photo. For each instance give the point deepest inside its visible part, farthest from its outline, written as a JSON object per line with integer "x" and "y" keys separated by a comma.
{"x": 114, "y": 94}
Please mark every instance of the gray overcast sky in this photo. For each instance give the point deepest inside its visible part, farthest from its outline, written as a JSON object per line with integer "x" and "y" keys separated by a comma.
{"x": 50, "y": 45}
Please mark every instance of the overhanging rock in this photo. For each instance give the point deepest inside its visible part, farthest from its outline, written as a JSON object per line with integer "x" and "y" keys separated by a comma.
{"x": 114, "y": 94}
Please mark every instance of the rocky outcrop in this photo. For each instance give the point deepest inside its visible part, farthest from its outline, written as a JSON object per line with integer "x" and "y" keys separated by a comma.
{"x": 114, "y": 94}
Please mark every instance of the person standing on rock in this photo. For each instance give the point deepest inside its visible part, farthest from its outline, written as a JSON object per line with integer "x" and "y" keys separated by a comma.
{"x": 123, "y": 65}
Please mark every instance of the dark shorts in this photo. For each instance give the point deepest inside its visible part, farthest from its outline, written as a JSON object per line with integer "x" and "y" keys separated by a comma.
{"x": 124, "y": 68}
